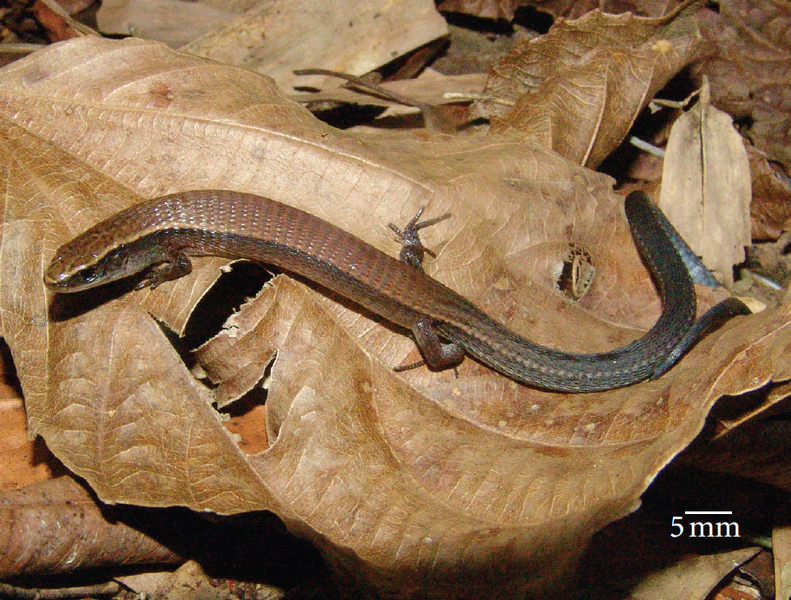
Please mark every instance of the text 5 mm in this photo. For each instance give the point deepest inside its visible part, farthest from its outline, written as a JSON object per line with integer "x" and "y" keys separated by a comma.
{"x": 708, "y": 528}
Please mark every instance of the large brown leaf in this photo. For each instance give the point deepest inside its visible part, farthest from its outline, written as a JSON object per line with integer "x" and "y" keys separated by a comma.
{"x": 420, "y": 482}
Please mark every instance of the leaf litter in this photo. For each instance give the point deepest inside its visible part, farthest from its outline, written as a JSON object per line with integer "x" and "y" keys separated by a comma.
{"x": 420, "y": 473}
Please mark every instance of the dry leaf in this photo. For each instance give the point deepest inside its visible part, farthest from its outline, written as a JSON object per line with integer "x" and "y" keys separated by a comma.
{"x": 18, "y": 456}
{"x": 55, "y": 527}
{"x": 757, "y": 449}
{"x": 175, "y": 23}
{"x": 748, "y": 65}
{"x": 429, "y": 89}
{"x": 771, "y": 204}
{"x": 354, "y": 37}
{"x": 693, "y": 578}
{"x": 574, "y": 9}
{"x": 781, "y": 547}
{"x": 269, "y": 36}
{"x": 706, "y": 186}
{"x": 56, "y": 24}
{"x": 72, "y": 7}
{"x": 579, "y": 88}
{"x": 418, "y": 483}
{"x": 190, "y": 582}
{"x": 485, "y": 9}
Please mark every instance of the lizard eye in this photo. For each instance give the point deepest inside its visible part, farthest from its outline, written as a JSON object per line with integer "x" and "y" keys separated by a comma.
{"x": 89, "y": 274}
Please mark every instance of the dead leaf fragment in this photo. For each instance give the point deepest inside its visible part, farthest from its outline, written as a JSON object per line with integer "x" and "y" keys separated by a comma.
{"x": 747, "y": 63}
{"x": 20, "y": 457}
{"x": 756, "y": 448}
{"x": 579, "y": 88}
{"x": 771, "y": 204}
{"x": 485, "y": 9}
{"x": 56, "y": 527}
{"x": 706, "y": 188}
{"x": 429, "y": 88}
{"x": 574, "y": 9}
{"x": 57, "y": 25}
{"x": 353, "y": 37}
{"x": 175, "y": 23}
{"x": 418, "y": 484}
{"x": 269, "y": 37}
{"x": 781, "y": 545}
{"x": 691, "y": 578}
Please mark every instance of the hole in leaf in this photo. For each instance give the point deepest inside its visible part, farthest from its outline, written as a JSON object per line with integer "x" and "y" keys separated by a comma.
{"x": 233, "y": 289}
{"x": 574, "y": 275}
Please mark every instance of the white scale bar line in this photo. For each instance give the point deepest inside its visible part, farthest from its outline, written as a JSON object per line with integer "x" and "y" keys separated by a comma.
{"x": 708, "y": 512}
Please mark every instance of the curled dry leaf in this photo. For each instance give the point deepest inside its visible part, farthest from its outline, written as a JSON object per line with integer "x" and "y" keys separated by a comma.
{"x": 580, "y": 87}
{"x": 420, "y": 482}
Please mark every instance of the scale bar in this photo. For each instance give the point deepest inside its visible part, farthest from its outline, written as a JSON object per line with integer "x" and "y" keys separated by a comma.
{"x": 708, "y": 512}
